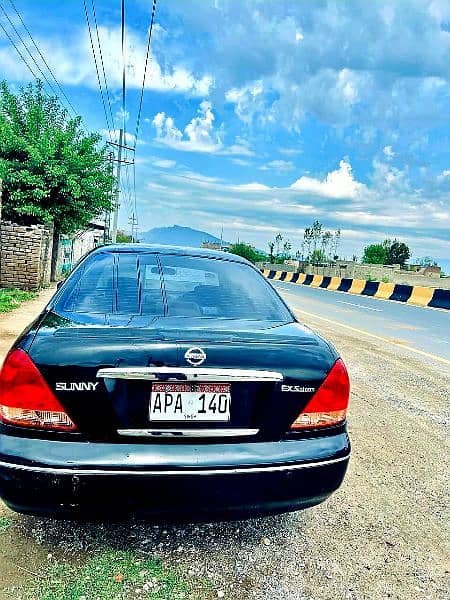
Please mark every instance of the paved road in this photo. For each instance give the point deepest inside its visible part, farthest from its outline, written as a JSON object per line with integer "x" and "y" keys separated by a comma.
{"x": 422, "y": 329}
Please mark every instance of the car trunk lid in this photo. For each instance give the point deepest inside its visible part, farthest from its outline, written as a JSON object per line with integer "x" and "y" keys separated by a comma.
{"x": 107, "y": 376}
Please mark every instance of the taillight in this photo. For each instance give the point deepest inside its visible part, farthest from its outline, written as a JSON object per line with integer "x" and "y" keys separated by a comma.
{"x": 329, "y": 404}
{"x": 25, "y": 397}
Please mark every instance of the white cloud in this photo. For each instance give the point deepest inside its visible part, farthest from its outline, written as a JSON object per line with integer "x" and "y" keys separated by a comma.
{"x": 387, "y": 151}
{"x": 247, "y": 100}
{"x": 278, "y": 165}
{"x": 252, "y": 187}
{"x": 290, "y": 151}
{"x": 199, "y": 135}
{"x": 72, "y": 62}
{"x": 337, "y": 184}
{"x": 128, "y": 138}
{"x": 164, "y": 164}
{"x": 238, "y": 149}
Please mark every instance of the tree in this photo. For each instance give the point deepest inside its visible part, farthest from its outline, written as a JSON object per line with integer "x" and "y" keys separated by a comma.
{"x": 335, "y": 243}
{"x": 278, "y": 240}
{"x": 307, "y": 240}
{"x": 375, "y": 254}
{"x": 122, "y": 237}
{"x": 318, "y": 256}
{"x": 271, "y": 249}
{"x": 316, "y": 233}
{"x": 397, "y": 252}
{"x": 52, "y": 171}
{"x": 287, "y": 247}
{"x": 247, "y": 251}
{"x": 326, "y": 239}
{"x": 427, "y": 261}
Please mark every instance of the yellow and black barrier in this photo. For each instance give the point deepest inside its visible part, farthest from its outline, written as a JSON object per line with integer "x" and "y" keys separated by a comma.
{"x": 410, "y": 294}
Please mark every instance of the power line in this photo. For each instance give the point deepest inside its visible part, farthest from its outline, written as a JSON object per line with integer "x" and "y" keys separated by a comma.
{"x": 138, "y": 122}
{"x": 42, "y": 56}
{"x": 123, "y": 69}
{"x": 18, "y": 51}
{"x": 28, "y": 51}
{"x": 96, "y": 69}
{"x": 102, "y": 63}
{"x": 135, "y": 220}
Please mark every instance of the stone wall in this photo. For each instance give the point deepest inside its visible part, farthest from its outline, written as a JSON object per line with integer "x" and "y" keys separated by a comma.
{"x": 25, "y": 255}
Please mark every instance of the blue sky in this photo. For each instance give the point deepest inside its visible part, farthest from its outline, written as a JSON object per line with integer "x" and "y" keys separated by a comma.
{"x": 260, "y": 117}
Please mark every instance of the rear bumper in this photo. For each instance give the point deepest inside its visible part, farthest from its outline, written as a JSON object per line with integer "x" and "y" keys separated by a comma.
{"x": 257, "y": 481}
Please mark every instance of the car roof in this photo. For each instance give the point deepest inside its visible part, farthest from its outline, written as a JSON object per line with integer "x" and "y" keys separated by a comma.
{"x": 179, "y": 250}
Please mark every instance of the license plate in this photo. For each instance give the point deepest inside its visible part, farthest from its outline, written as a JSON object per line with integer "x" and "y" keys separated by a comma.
{"x": 190, "y": 402}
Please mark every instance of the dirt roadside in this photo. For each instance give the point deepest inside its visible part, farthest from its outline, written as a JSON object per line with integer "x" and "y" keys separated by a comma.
{"x": 384, "y": 534}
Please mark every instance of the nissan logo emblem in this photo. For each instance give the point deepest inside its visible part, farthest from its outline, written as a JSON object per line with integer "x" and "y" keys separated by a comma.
{"x": 195, "y": 356}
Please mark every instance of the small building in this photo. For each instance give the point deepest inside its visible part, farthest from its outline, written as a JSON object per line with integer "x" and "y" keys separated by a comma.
{"x": 222, "y": 246}
{"x": 72, "y": 248}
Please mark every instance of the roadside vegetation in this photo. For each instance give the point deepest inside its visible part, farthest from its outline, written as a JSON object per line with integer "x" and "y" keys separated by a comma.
{"x": 10, "y": 298}
{"x": 113, "y": 574}
{"x": 52, "y": 170}
{"x": 5, "y": 523}
{"x": 390, "y": 252}
{"x": 319, "y": 247}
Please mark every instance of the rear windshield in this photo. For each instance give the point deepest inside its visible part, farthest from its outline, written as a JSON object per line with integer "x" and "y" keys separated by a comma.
{"x": 170, "y": 285}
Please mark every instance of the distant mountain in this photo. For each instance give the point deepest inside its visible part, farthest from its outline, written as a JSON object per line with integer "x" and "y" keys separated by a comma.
{"x": 178, "y": 236}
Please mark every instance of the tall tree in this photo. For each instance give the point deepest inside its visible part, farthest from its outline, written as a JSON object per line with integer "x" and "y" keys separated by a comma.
{"x": 52, "y": 171}
{"x": 317, "y": 230}
{"x": 287, "y": 247}
{"x": 397, "y": 252}
{"x": 278, "y": 240}
{"x": 336, "y": 240}
{"x": 326, "y": 239}
{"x": 308, "y": 238}
{"x": 375, "y": 254}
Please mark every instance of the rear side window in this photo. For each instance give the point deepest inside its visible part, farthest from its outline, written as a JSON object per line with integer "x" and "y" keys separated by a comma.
{"x": 93, "y": 292}
{"x": 171, "y": 285}
{"x": 122, "y": 283}
{"x": 203, "y": 287}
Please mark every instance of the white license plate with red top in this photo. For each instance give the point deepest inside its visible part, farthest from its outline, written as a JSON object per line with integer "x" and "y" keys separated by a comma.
{"x": 190, "y": 402}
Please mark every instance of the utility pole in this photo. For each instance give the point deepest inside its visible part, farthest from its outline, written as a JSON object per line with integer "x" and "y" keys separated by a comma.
{"x": 116, "y": 200}
{"x": 107, "y": 230}
{"x": 133, "y": 222}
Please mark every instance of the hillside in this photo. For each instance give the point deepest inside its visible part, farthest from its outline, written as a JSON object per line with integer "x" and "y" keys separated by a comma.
{"x": 178, "y": 236}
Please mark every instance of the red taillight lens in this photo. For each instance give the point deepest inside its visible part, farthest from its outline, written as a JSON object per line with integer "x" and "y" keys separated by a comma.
{"x": 25, "y": 397}
{"x": 329, "y": 404}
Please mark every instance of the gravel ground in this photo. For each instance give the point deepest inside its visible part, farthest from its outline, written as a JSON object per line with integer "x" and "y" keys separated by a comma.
{"x": 384, "y": 534}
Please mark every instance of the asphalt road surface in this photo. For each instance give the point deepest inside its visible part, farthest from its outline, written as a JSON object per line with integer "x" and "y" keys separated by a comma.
{"x": 421, "y": 329}
{"x": 385, "y": 533}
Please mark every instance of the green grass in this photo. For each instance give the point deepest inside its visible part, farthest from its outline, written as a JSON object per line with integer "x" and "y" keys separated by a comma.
{"x": 10, "y": 298}
{"x": 5, "y": 523}
{"x": 115, "y": 575}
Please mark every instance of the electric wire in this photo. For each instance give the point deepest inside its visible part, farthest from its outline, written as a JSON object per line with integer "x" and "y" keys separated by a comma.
{"x": 28, "y": 51}
{"x": 138, "y": 122}
{"x": 101, "y": 60}
{"x": 18, "y": 51}
{"x": 42, "y": 55}
{"x": 123, "y": 69}
{"x": 97, "y": 71}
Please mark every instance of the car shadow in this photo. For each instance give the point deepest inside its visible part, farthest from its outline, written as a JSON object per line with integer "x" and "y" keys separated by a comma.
{"x": 142, "y": 536}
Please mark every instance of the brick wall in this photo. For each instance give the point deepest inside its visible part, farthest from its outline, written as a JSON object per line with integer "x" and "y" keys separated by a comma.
{"x": 25, "y": 254}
